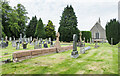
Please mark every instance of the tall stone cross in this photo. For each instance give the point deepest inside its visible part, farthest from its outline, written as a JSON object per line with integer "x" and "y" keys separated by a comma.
{"x": 80, "y": 37}
{"x": 57, "y": 36}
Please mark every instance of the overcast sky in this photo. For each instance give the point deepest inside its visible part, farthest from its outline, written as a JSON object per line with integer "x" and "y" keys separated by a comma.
{"x": 87, "y": 11}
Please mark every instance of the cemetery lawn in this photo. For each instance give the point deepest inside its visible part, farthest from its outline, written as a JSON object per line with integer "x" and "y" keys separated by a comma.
{"x": 102, "y": 60}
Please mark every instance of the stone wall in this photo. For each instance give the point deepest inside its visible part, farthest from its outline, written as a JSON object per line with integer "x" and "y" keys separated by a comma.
{"x": 22, "y": 55}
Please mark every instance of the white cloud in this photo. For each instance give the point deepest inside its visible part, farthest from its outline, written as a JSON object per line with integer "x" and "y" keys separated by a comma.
{"x": 87, "y": 11}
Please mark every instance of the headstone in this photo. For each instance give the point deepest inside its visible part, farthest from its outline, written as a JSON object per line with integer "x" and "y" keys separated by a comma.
{"x": 49, "y": 41}
{"x": 74, "y": 53}
{"x": 20, "y": 38}
{"x": 46, "y": 41}
{"x": 10, "y": 38}
{"x": 40, "y": 44}
{"x": 84, "y": 40}
{"x": 14, "y": 38}
{"x": 57, "y": 43}
{"x": 14, "y": 43}
{"x": 83, "y": 49}
{"x": 45, "y": 45}
{"x": 80, "y": 43}
{"x": 90, "y": 41}
{"x": 36, "y": 46}
{"x": 51, "y": 44}
{"x": 24, "y": 45}
{"x": 87, "y": 40}
{"x": 96, "y": 45}
{"x": 17, "y": 45}
{"x": 6, "y": 38}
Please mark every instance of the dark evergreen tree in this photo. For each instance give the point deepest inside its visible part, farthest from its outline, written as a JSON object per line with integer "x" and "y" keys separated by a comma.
{"x": 50, "y": 30}
{"x": 112, "y": 31}
{"x": 30, "y": 30}
{"x": 40, "y": 29}
{"x": 68, "y": 24}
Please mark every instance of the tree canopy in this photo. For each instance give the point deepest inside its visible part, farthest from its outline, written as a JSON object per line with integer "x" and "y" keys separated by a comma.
{"x": 50, "y": 30}
{"x": 68, "y": 24}
{"x": 113, "y": 31}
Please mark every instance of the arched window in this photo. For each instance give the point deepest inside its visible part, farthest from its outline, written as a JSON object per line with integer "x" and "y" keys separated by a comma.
{"x": 97, "y": 35}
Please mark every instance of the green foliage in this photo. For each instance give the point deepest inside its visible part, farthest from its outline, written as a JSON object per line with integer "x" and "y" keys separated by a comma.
{"x": 113, "y": 31}
{"x": 68, "y": 24}
{"x": 22, "y": 17}
{"x": 50, "y": 30}
{"x": 87, "y": 35}
{"x": 30, "y": 30}
{"x": 40, "y": 29}
{"x": 13, "y": 20}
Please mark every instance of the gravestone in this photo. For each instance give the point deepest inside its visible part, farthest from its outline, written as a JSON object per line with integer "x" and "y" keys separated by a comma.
{"x": 96, "y": 45}
{"x": 3, "y": 44}
{"x": 40, "y": 44}
{"x": 57, "y": 43}
{"x": 90, "y": 40}
{"x": 80, "y": 43}
{"x": 14, "y": 43}
{"x": 36, "y": 46}
{"x": 83, "y": 49}
{"x": 45, "y": 45}
{"x": 10, "y": 38}
{"x": 46, "y": 41}
{"x": 13, "y": 38}
{"x": 74, "y": 53}
{"x": 24, "y": 45}
{"x": 49, "y": 41}
{"x": 7, "y": 43}
{"x": 20, "y": 38}
{"x": 17, "y": 45}
{"x": 6, "y": 38}
{"x": 51, "y": 44}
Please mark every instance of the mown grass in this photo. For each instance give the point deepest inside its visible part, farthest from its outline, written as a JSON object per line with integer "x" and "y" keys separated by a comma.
{"x": 102, "y": 60}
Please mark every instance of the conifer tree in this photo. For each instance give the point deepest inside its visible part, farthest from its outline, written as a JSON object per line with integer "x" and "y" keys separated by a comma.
{"x": 50, "y": 30}
{"x": 68, "y": 24}
{"x": 40, "y": 29}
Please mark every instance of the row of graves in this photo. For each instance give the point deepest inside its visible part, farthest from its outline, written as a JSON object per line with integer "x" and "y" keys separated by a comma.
{"x": 54, "y": 48}
{"x": 37, "y": 43}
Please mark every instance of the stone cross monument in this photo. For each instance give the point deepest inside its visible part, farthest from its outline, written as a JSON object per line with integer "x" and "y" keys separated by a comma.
{"x": 57, "y": 43}
{"x": 80, "y": 37}
{"x": 74, "y": 53}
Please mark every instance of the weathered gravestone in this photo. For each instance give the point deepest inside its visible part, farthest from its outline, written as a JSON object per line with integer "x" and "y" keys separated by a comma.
{"x": 74, "y": 53}
{"x": 17, "y": 45}
{"x": 96, "y": 45}
{"x": 51, "y": 44}
{"x": 83, "y": 49}
{"x": 10, "y": 38}
{"x": 6, "y": 38}
{"x": 45, "y": 45}
{"x": 80, "y": 43}
{"x": 57, "y": 43}
{"x": 90, "y": 41}
{"x": 20, "y": 38}
{"x": 40, "y": 44}
{"x": 14, "y": 43}
{"x": 3, "y": 44}
{"x": 24, "y": 45}
{"x": 36, "y": 46}
{"x": 49, "y": 41}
